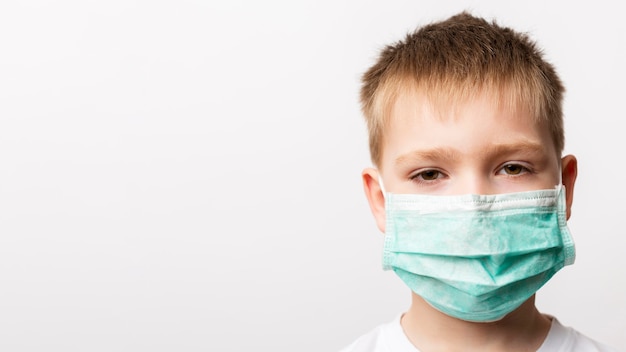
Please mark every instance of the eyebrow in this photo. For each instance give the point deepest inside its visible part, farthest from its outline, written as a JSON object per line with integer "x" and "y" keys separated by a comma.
{"x": 520, "y": 148}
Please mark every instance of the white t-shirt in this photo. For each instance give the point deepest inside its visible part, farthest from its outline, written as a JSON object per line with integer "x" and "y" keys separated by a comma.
{"x": 391, "y": 338}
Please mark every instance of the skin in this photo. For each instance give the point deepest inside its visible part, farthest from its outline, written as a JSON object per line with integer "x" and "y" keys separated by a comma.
{"x": 474, "y": 147}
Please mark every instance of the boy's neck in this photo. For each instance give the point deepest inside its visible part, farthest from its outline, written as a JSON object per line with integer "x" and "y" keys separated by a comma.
{"x": 524, "y": 329}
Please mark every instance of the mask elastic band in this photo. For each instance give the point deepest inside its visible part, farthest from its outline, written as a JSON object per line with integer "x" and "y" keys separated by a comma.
{"x": 382, "y": 186}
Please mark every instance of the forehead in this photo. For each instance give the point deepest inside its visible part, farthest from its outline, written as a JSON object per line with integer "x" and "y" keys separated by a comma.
{"x": 448, "y": 100}
{"x": 421, "y": 120}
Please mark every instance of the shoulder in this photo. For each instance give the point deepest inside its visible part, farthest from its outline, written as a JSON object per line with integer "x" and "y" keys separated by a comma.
{"x": 387, "y": 337}
{"x": 565, "y": 338}
{"x": 370, "y": 342}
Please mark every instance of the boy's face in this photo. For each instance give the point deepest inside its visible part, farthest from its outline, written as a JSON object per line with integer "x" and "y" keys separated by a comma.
{"x": 474, "y": 148}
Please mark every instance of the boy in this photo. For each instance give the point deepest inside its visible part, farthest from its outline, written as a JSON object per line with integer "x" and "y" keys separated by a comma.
{"x": 466, "y": 133}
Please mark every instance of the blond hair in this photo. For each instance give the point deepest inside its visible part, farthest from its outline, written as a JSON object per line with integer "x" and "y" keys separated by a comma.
{"x": 455, "y": 59}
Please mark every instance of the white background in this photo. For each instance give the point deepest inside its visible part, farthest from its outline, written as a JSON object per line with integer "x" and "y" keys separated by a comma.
{"x": 185, "y": 175}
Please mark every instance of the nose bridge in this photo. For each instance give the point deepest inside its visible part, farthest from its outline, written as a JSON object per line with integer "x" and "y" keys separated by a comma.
{"x": 473, "y": 180}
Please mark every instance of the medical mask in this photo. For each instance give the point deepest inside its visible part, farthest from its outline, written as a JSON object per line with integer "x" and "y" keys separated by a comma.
{"x": 477, "y": 257}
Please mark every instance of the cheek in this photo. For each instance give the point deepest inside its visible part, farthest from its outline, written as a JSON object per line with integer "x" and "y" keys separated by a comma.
{"x": 547, "y": 180}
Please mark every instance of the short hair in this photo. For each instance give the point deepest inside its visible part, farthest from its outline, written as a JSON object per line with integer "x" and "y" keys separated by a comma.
{"x": 455, "y": 59}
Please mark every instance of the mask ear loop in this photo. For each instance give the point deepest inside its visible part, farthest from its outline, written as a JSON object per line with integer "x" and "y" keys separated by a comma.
{"x": 382, "y": 186}
{"x": 560, "y": 184}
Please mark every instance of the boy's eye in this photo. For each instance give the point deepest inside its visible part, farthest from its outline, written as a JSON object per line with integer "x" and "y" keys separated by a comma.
{"x": 514, "y": 169}
{"x": 428, "y": 175}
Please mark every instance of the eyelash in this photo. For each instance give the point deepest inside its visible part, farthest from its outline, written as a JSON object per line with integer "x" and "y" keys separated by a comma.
{"x": 419, "y": 176}
{"x": 524, "y": 169}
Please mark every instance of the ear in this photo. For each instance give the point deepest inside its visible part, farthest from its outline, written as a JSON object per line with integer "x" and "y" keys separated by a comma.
{"x": 375, "y": 196}
{"x": 569, "y": 169}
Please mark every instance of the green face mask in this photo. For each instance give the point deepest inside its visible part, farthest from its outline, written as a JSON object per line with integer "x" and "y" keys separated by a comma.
{"x": 477, "y": 257}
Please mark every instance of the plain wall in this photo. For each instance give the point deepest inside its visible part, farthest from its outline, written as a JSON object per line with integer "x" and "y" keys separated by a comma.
{"x": 185, "y": 175}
